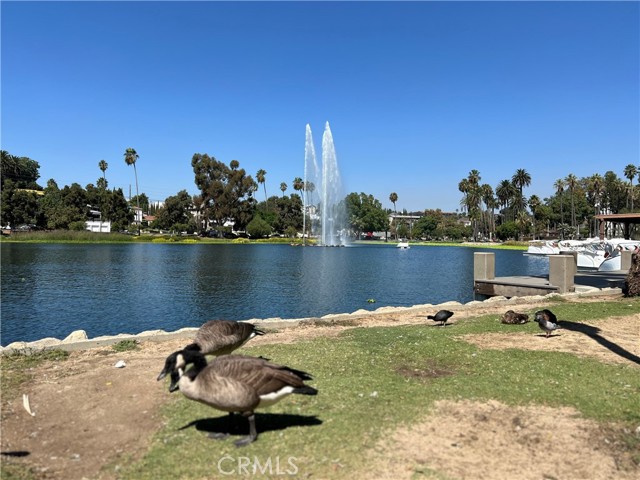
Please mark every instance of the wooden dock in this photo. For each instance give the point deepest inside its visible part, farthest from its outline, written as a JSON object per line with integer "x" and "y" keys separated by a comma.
{"x": 525, "y": 285}
{"x": 563, "y": 278}
{"x": 514, "y": 286}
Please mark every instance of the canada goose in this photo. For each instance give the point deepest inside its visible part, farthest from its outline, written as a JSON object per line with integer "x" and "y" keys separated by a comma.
{"x": 236, "y": 383}
{"x": 547, "y": 321}
{"x": 217, "y": 337}
{"x": 441, "y": 316}
{"x": 512, "y": 318}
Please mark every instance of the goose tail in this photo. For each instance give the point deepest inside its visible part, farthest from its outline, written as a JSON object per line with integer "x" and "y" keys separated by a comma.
{"x": 306, "y": 390}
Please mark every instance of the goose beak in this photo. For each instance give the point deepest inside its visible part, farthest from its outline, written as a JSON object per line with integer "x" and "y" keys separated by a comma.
{"x": 162, "y": 375}
{"x": 175, "y": 378}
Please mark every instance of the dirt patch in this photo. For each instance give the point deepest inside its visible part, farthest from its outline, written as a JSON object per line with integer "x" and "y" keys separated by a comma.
{"x": 90, "y": 415}
{"x": 472, "y": 440}
{"x": 87, "y": 412}
{"x": 614, "y": 341}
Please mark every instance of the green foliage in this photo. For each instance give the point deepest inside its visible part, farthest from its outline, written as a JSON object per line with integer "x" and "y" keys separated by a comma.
{"x": 365, "y": 214}
{"x": 427, "y": 224}
{"x": 22, "y": 171}
{"x": 290, "y": 232}
{"x": 68, "y": 236}
{"x": 226, "y": 191}
{"x": 258, "y": 228}
{"x": 126, "y": 345}
{"x": 175, "y": 215}
{"x": 77, "y": 226}
{"x": 19, "y": 206}
{"x": 285, "y": 213}
{"x": 508, "y": 230}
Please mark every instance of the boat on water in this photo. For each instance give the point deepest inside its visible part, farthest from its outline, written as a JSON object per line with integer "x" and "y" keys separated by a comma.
{"x": 543, "y": 247}
{"x": 613, "y": 261}
{"x": 600, "y": 255}
{"x": 403, "y": 245}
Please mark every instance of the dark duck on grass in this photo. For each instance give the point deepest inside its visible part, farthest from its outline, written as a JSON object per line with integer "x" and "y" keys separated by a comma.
{"x": 442, "y": 316}
{"x": 547, "y": 321}
{"x": 513, "y": 318}
{"x": 236, "y": 384}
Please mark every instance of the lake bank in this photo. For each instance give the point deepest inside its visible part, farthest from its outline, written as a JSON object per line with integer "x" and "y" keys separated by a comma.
{"x": 78, "y": 340}
{"x": 51, "y": 290}
{"x": 66, "y": 236}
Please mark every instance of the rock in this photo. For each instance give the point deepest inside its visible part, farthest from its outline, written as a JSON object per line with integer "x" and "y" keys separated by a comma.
{"x": 45, "y": 342}
{"x": 498, "y": 298}
{"x": 17, "y": 346}
{"x": 152, "y": 333}
{"x": 120, "y": 364}
{"x": 76, "y": 336}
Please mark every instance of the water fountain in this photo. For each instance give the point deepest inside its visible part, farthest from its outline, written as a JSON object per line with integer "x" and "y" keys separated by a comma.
{"x": 332, "y": 209}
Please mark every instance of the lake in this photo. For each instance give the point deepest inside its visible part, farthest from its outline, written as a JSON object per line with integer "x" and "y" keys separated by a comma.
{"x": 50, "y": 290}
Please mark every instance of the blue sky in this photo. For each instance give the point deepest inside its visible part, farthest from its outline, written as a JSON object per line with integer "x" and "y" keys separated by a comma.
{"x": 417, "y": 93}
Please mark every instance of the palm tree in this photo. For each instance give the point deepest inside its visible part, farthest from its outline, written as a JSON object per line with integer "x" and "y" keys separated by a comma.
{"x": 520, "y": 180}
{"x": 522, "y": 220}
{"x": 298, "y": 184}
{"x": 630, "y": 171}
{"x": 102, "y": 165}
{"x": 505, "y": 191}
{"x": 559, "y": 186}
{"x": 260, "y": 177}
{"x": 470, "y": 187}
{"x": 283, "y": 187}
{"x": 393, "y": 198}
{"x": 595, "y": 185}
{"x": 572, "y": 183}
{"x": 130, "y": 158}
{"x": 490, "y": 202}
{"x": 534, "y": 204}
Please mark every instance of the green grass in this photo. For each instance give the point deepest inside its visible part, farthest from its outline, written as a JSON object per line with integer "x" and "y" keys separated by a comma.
{"x": 125, "y": 346}
{"x": 372, "y": 380}
{"x": 70, "y": 236}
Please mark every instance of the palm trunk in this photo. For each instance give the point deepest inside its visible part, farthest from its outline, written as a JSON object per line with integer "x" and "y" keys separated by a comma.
{"x": 137, "y": 197}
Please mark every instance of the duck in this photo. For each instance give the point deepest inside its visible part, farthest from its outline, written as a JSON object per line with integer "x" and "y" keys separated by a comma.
{"x": 217, "y": 337}
{"x": 236, "y": 384}
{"x": 547, "y": 321}
{"x": 513, "y": 318}
{"x": 441, "y": 316}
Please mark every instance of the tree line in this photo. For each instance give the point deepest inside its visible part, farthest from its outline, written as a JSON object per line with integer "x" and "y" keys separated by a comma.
{"x": 569, "y": 213}
{"x": 227, "y": 200}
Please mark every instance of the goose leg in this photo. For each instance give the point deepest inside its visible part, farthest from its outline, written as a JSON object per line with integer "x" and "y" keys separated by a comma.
{"x": 222, "y": 435}
{"x": 253, "y": 434}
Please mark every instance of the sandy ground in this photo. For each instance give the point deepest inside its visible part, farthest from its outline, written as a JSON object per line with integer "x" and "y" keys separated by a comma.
{"x": 89, "y": 414}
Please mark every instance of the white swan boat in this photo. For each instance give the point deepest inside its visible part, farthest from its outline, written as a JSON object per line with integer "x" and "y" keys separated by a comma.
{"x": 543, "y": 247}
{"x": 403, "y": 245}
{"x": 600, "y": 255}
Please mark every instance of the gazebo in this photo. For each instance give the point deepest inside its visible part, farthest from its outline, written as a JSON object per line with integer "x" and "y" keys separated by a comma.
{"x": 625, "y": 218}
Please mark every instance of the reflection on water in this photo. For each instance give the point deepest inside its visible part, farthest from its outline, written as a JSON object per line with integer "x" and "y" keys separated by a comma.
{"x": 52, "y": 290}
